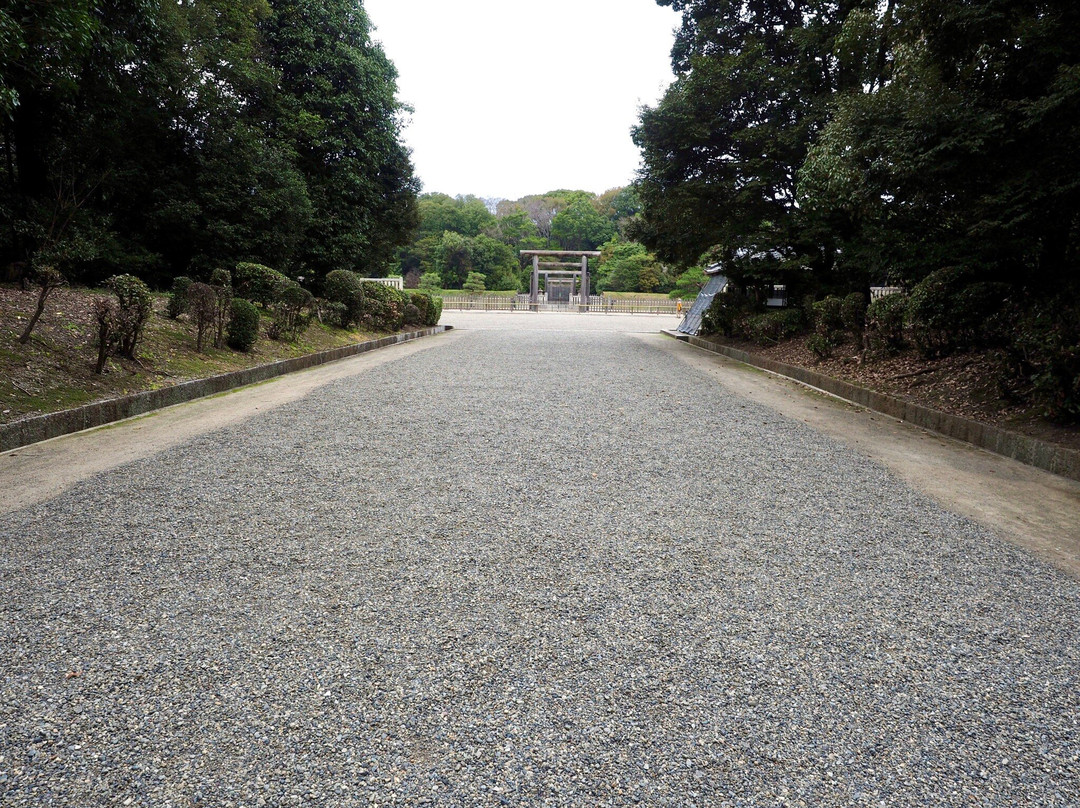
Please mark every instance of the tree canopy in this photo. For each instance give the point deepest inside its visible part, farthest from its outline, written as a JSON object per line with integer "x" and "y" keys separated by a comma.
{"x": 831, "y": 143}
{"x": 168, "y": 139}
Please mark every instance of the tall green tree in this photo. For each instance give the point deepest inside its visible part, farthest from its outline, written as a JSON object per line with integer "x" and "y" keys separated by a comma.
{"x": 968, "y": 152}
{"x": 338, "y": 101}
{"x": 438, "y": 213}
{"x": 580, "y": 226}
{"x": 721, "y": 150}
{"x": 165, "y": 138}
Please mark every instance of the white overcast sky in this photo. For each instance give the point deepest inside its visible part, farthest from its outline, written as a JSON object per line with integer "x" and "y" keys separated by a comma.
{"x": 513, "y": 98}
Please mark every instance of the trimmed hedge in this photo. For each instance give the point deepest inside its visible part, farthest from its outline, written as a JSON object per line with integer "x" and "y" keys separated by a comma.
{"x": 341, "y": 287}
{"x": 136, "y": 304}
{"x": 292, "y": 312}
{"x": 949, "y": 309}
{"x": 775, "y": 326}
{"x": 259, "y": 284}
{"x": 381, "y": 307}
{"x": 178, "y": 296}
{"x": 727, "y": 315}
{"x": 243, "y": 328}
{"x": 885, "y": 324}
{"x": 429, "y": 308}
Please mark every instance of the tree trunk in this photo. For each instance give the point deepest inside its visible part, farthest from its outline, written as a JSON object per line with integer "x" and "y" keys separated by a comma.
{"x": 25, "y": 338}
{"x": 103, "y": 347}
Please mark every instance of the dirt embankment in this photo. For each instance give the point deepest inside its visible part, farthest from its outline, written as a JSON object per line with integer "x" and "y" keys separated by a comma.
{"x": 55, "y": 369}
{"x": 965, "y": 384}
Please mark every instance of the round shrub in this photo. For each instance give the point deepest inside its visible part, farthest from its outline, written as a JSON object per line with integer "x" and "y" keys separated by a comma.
{"x": 775, "y": 326}
{"x": 853, "y": 314}
{"x": 819, "y": 345}
{"x": 178, "y": 296}
{"x": 243, "y": 325}
{"x": 259, "y": 284}
{"x": 292, "y": 312}
{"x": 727, "y": 315}
{"x": 931, "y": 311}
{"x": 340, "y": 287}
{"x": 949, "y": 309}
{"x": 221, "y": 277}
{"x": 885, "y": 324}
{"x": 136, "y": 304}
{"x": 382, "y": 307}
{"x": 829, "y": 318}
{"x": 430, "y": 307}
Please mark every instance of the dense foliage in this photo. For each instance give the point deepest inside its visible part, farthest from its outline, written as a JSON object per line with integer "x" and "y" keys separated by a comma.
{"x": 159, "y": 139}
{"x": 833, "y": 145}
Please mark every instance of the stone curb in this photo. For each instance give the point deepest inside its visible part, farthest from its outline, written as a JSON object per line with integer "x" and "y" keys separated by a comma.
{"x": 54, "y": 424}
{"x": 1031, "y": 451}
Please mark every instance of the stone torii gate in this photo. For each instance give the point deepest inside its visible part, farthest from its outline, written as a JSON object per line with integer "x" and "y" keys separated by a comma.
{"x": 562, "y": 268}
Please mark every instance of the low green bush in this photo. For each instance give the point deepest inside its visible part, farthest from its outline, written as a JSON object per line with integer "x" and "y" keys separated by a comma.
{"x": 341, "y": 288}
{"x": 381, "y": 307}
{"x": 178, "y": 296}
{"x": 829, "y": 318}
{"x": 885, "y": 324}
{"x": 931, "y": 311}
{"x": 820, "y": 345}
{"x": 853, "y": 315}
{"x": 429, "y": 306}
{"x": 950, "y": 309}
{"x": 243, "y": 329}
{"x": 259, "y": 284}
{"x": 136, "y": 304}
{"x": 728, "y": 315}
{"x": 292, "y": 312}
{"x": 332, "y": 313}
{"x": 775, "y": 326}
{"x": 828, "y": 324}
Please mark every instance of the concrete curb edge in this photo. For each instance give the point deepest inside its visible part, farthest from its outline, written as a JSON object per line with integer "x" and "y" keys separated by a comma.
{"x": 54, "y": 424}
{"x": 1030, "y": 451}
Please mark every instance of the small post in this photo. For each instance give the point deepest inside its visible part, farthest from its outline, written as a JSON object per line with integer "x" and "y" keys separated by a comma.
{"x": 534, "y": 289}
{"x": 584, "y": 284}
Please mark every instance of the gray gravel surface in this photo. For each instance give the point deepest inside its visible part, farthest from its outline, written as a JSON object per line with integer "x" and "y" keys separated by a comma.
{"x": 494, "y": 574}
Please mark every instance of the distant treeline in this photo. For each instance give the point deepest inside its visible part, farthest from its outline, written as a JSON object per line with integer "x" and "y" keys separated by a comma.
{"x": 165, "y": 139}
{"x": 461, "y": 243}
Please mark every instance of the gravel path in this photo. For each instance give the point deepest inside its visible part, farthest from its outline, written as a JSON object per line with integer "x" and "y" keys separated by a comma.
{"x": 484, "y": 576}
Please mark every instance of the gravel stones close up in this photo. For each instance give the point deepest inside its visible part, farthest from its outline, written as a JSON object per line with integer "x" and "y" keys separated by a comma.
{"x": 496, "y": 574}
